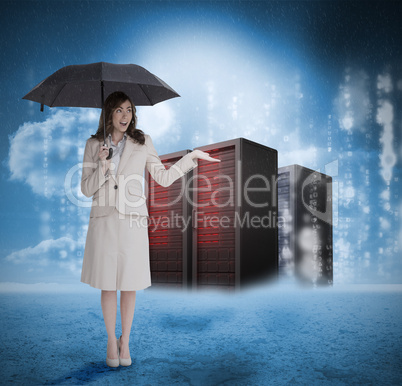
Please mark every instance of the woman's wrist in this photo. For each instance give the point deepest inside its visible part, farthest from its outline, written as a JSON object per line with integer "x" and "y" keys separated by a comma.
{"x": 105, "y": 166}
{"x": 193, "y": 154}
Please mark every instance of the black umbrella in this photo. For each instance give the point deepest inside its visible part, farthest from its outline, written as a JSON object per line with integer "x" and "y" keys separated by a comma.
{"x": 87, "y": 85}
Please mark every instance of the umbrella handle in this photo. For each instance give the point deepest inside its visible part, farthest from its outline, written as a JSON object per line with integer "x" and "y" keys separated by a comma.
{"x": 110, "y": 152}
{"x": 104, "y": 121}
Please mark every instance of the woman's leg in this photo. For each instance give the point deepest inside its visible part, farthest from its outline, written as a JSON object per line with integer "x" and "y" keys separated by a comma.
{"x": 109, "y": 309}
{"x": 127, "y": 306}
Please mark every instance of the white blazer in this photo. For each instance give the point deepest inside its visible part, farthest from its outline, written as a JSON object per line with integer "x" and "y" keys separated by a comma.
{"x": 124, "y": 189}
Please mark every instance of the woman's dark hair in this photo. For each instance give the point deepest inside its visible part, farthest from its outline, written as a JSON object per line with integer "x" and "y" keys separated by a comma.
{"x": 112, "y": 102}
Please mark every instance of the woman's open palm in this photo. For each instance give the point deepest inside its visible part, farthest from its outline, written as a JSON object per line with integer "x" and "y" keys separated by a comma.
{"x": 203, "y": 155}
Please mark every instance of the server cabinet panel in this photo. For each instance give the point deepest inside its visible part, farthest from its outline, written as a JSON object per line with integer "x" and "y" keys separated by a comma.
{"x": 259, "y": 245}
{"x": 229, "y": 250}
{"x": 305, "y": 232}
{"x": 169, "y": 228}
{"x": 213, "y": 245}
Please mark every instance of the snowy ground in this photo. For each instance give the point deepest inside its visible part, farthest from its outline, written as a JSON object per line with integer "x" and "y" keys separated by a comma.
{"x": 265, "y": 336}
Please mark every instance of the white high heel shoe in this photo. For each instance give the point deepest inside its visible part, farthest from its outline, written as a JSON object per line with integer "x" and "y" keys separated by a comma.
{"x": 114, "y": 362}
{"x": 123, "y": 361}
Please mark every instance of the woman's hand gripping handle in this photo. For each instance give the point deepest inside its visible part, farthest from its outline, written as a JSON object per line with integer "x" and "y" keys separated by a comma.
{"x": 105, "y": 156}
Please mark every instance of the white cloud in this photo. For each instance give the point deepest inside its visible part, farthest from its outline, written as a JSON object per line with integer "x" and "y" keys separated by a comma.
{"x": 72, "y": 265}
{"x": 63, "y": 254}
{"x": 41, "y": 153}
{"x": 89, "y": 117}
{"x": 385, "y": 224}
{"x": 385, "y": 195}
{"x": 43, "y": 253}
{"x": 159, "y": 121}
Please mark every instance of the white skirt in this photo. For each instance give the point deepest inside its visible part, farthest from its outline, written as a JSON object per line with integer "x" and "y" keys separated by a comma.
{"x": 116, "y": 253}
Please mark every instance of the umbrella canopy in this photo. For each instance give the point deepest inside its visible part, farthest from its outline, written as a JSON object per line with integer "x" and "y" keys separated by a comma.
{"x": 87, "y": 85}
{"x": 81, "y": 86}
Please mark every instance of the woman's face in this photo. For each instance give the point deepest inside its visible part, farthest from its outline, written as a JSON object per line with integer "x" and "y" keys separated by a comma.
{"x": 122, "y": 116}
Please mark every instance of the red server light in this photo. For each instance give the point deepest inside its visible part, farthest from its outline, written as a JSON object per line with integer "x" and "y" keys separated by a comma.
{"x": 169, "y": 228}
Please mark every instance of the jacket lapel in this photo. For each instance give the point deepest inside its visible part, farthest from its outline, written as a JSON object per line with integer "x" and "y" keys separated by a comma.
{"x": 129, "y": 147}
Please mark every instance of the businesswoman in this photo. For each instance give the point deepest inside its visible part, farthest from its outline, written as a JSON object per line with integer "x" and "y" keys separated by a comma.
{"x": 116, "y": 251}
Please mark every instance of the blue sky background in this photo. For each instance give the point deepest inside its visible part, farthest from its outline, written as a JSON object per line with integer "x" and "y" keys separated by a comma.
{"x": 321, "y": 82}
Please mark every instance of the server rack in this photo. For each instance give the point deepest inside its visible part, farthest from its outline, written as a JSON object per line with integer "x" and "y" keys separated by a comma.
{"x": 235, "y": 215}
{"x": 169, "y": 228}
{"x": 305, "y": 225}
